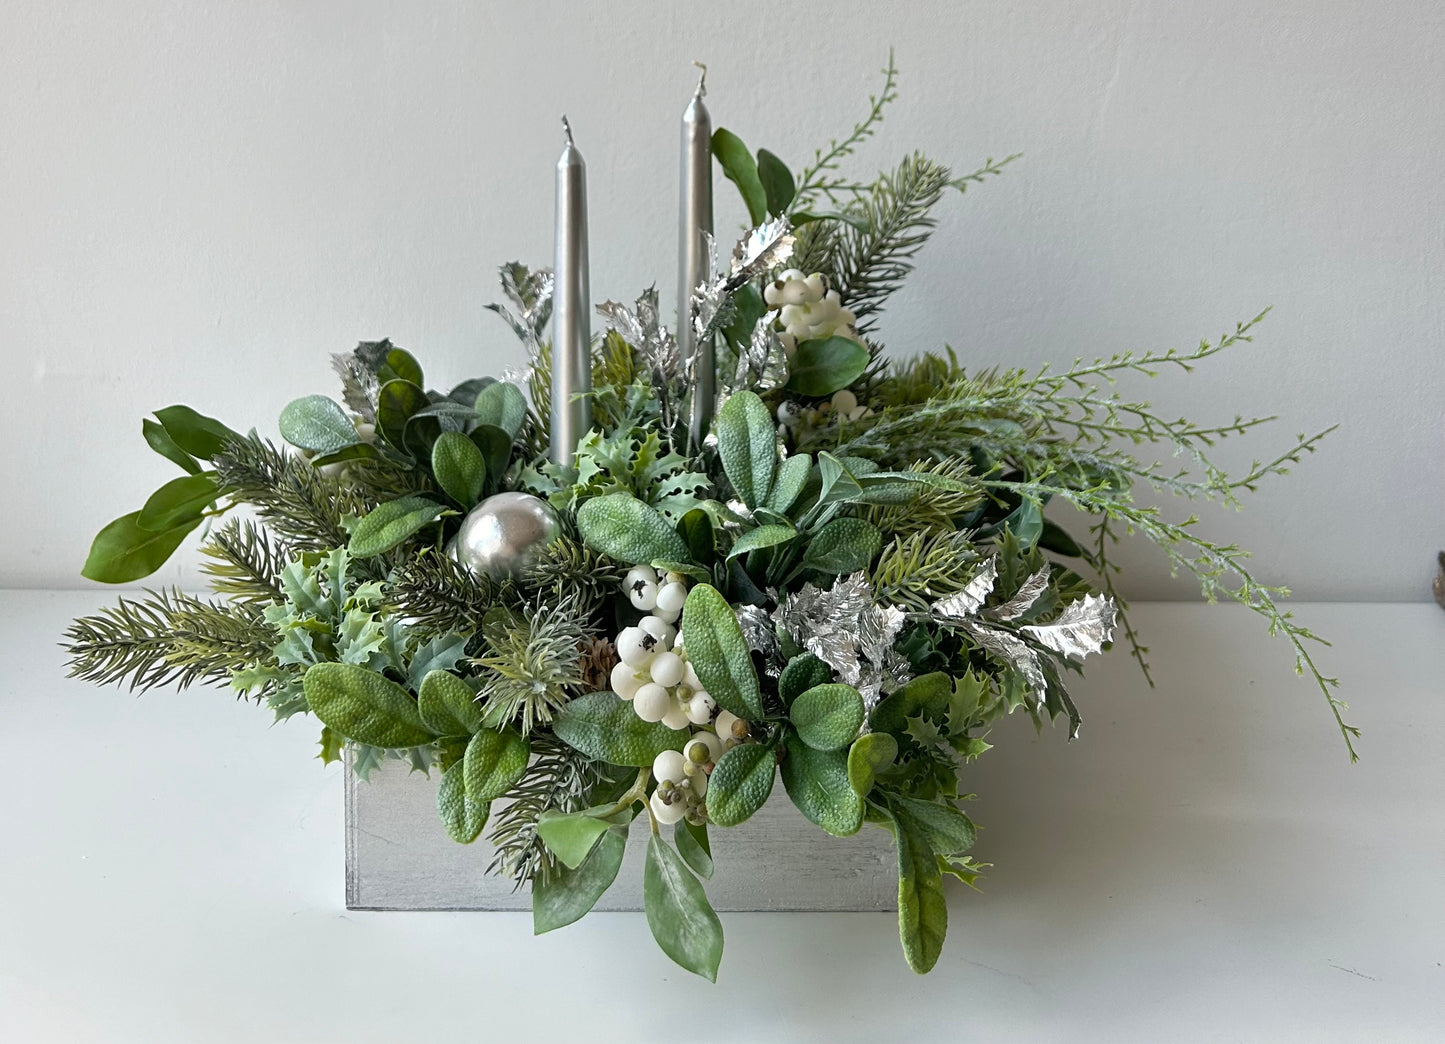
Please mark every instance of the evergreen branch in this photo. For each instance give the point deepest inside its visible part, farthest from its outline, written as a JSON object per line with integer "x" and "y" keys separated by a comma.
{"x": 167, "y": 637}
{"x": 245, "y": 561}
{"x": 559, "y": 779}
{"x": 437, "y": 596}
{"x": 989, "y": 169}
{"x": 820, "y": 177}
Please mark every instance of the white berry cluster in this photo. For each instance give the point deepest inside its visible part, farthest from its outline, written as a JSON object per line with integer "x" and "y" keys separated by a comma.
{"x": 682, "y": 775}
{"x": 654, "y": 673}
{"x": 809, "y": 310}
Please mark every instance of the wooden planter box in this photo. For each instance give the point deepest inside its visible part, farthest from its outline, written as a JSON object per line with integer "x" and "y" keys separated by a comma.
{"x": 398, "y": 857}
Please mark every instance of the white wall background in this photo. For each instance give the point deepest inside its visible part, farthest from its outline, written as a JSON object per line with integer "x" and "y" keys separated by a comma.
{"x": 200, "y": 201}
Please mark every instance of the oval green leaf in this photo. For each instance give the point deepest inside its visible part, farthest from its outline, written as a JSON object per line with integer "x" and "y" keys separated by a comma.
{"x": 777, "y": 182}
{"x": 719, "y": 653}
{"x": 869, "y": 755}
{"x": 844, "y": 545}
{"x": 458, "y": 466}
{"x": 741, "y": 169}
{"x": 693, "y": 846}
{"x": 623, "y": 527}
{"x": 395, "y": 403}
{"x": 567, "y": 895}
{"x": 740, "y": 783}
{"x": 801, "y": 674}
{"x": 157, "y": 439}
{"x": 927, "y": 693}
{"x": 123, "y": 551}
{"x": 606, "y": 728}
{"x": 922, "y": 907}
{"x": 363, "y": 706}
{"x": 747, "y": 443}
{"x": 682, "y": 921}
{"x": 828, "y": 716}
{"x": 824, "y": 366}
{"x": 763, "y": 536}
{"x": 447, "y": 705}
{"x": 317, "y": 423}
{"x": 179, "y": 501}
{"x": 389, "y": 524}
{"x": 502, "y": 405}
{"x": 197, "y": 434}
{"x": 789, "y": 482}
{"x": 461, "y": 814}
{"x": 570, "y": 835}
{"x": 817, "y": 781}
{"x": 495, "y": 760}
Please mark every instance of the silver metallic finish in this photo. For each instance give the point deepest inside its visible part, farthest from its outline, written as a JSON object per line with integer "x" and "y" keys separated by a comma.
{"x": 501, "y": 536}
{"x": 967, "y": 602}
{"x": 571, "y": 313}
{"x": 694, "y": 230}
{"x": 847, "y": 629}
{"x": 1083, "y": 628}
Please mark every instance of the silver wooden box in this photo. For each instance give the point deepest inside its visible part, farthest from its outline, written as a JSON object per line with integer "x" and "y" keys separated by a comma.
{"x": 398, "y": 857}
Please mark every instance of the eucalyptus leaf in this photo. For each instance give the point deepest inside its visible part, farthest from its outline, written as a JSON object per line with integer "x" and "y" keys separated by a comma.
{"x": 828, "y": 716}
{"x": 844, "y": 545}
{"x": 748, "y": 446}
{"x": 318, "y": 424}
{"x": 740, "y": 783}
{"x": 719, "y": 653}
{"x": 682, "y": 921}
{"x": 502, "y": 405}
{"x": 763, "y": 536}
{"x": 400, "y": 364}
{"x": 364, "y": 706}
{"x": 567, "y": 895}
{"x": 395, "y": 403}
{"x": 606, "y": 728}
{"x": 817, "y": 781}
{"x": 623, "y": 527}
{"x": 389, "y": 524}
{"x": 826, "y": 365}
{"x": 802, "y": 673}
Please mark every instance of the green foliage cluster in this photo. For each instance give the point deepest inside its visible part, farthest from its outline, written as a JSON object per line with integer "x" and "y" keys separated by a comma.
{"x": 875, "y": 564}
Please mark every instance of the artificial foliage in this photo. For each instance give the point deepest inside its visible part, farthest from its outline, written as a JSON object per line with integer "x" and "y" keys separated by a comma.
{"x": 831, "y": 600}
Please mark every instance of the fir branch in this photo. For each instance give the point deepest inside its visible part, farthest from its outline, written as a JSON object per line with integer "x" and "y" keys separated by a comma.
{"x": 919, "y": 569}
{"x": 436, "y": 595}
{"x": 533, "y": 663}
{"x": 245, "y": 561}
{"x": 559, "y": 779}
{"x": 165, "y": 638}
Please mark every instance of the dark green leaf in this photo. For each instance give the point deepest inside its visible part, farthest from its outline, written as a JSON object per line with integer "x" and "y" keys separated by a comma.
{"x": 461, "y": 814}
{"x": 719, "y": 653}
{"x": 697, "y": 534}
{"x": 870, "y": 754}
{"x": 606, "y": 728}
{"x": 929, "y": 694}
{"x": 565, "y": 896}
{"x": 395, "y": 403}
{"x": 792, "y": 476}
{"x": 458, "y": 466}
{"x": 817, "y": 781}
{"x": 123, "y": 551}
{"x": 844, "y": 545}
{"x": 400, "y": 364}
{"x": 628, "y": 530}
{"x": 1054, "y": 538}
{"x": 178, "y": 502}
{"x": 837, "y": 485}
{"x": 747, "y": 442}
{"x": 828, "y": 716}
{"x": 807, "y": 217}
{"x": 748, "y": 308}
{"x": 826, "y": 365}
{"x": 317, "y": 423}
{"x": 364, "y": 706}
{"x": 801, "y": 674}
{"x": 447, "y": 705}
{"x": 197, "y": 434}
{"x": 740, "y": 783}
{"x": 763, "y": 536}
{"x": 496, "y": 447}
{"x": 360, "y": 451}
{"x": 389, "y": 524}
{"x": 681, "y": 919}
{"x": 503, "y": 406}
{"x": 692, "y": 845}
{"x": 741, "y": 169}
{"x": 495, "y": 760}
{"x": 777, "y": 182}
{"x": 162, "y": 443}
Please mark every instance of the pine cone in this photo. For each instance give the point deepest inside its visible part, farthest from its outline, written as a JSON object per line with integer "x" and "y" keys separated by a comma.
{"x": 599, "y": 656}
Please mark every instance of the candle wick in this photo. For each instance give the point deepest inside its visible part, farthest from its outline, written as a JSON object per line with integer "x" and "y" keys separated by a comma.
{"x": 567, "y": 127}
{"x": 701, "y": 81}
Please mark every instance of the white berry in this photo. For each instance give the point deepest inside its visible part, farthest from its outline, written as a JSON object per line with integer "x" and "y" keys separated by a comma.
{"x": 660, "y": 629}
{"x": 667, "y": 615}
{"x": 636, "y": 647}
{"x": 652, "y": 702}
{"x": 625, "y": 681}
{"x": 703, "y": 747}
{"x": 665, "y": 813}
{"x": 667, "y": 669}
{"x": 689, "y": 675}
{"x": 672, "y": 597}
{"x": 668, "y": 766}
{"x": 643, "y": 595}
{"x": 700, "y": 708}
{"x": 676, "y": 717}
{"x": 845, "y": 401}
{"x": 724, "y": 725}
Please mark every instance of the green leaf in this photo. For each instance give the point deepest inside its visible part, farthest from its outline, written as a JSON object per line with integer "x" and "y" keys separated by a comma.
{"x": 837, "y": 485}
{"x": 1055, "y": 538}
{"x": 495, "y": 760}
{"x": 748, "y": 445}
{"x": 828, "y": 716}
{"x": 567, "y": 895}
{"x": 570, "y": 835}
{"x": 158, "y": 440}
{"x": 459, "y": 467}
{"x": 400, "y": 364}
{"x": 364, "y": 706}
{"x": 801, "y": 674}
{"x": 777, "y": 182}
{"x": 389, "y": 524}
{"x": 461, "y": 813}
{"x": 844, "y": 545}
{"x": 623, "y": 527}
{"x": 946, "y": 829}
{"x": 123, "y": 551}
{"x": 763, "y": 536}
{"x": 332, "y": 746}
{"x": 447, "y": 705}
{"x": 922, "y": 908}
{"x": 395, "y": 403}
{"x": 869, "y": 755}
{"x": 741, "y": 169}
{"x": 682, "y": 921}
{"x": 748, "y": 308}
{"x": 692, "y": 845}
{"x": 606, "y": 728}
{"x": 179, "y": 501}
{"x": 821, "y": 367}
{"x": 1027, "y": 523}
{"x": 697, "y": 533}
{"x": 817, "y": 781}
{"x": 928, "y": 693}
{"x": 740, "y": 783}
{"x": 317, "y": 423}
{"x": 439, "y": 654}
{"x": 719, "y": 653}
{"x": 503, "y": 406}
{"x": 791, "y": 478}
{"x": 197, "y": 434}
{"x": 807, "y": 217}
{"x": 496, "y": 447}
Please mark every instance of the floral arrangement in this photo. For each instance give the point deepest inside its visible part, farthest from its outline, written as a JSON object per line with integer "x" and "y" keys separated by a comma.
{"x": 845, "y": 584}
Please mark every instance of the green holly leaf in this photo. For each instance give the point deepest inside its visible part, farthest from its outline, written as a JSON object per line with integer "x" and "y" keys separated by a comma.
{"x": 364, "y": 706}
{"x": 747, "y": 443}
{"x": 682, "y": 920}
{"x": 828, "y": 716}
{"x": 740, "y": 783}
{"x": 817, "y": 781}
{"x": 332, "y": 746}
{"x": 606, "y": 728}
{"x": 623, "y": 527}
{"x": 567, "y": 895}
{"x": 719, "y": 653}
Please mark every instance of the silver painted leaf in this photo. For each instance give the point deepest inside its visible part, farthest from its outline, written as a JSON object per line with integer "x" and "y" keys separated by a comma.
{"x": 1025, "y": 598}
{"x": 1013, "y": 651}
{"x": 1082, "y": 628}
{"x": 761, "y": 249}
{"x": 967, "y": 602}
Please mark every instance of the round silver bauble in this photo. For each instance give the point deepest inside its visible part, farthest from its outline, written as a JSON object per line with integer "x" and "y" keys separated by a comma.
{"x": 501, "y": 536}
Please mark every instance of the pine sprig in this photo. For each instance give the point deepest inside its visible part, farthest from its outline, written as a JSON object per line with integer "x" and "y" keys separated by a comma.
{"x": 533, "y": 663}
{"x": 167, "y": 638}
{"x": 245, "y": 562}
{"x": 302, "y": 504}
{"x": 559, "y": 779}
{"x": 436, "y": 595}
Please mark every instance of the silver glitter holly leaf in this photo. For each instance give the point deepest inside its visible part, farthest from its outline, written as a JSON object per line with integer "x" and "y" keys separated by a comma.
{"x": 758, "y": 630}
{"x": 1022, "y": 601}
{"x": 1013, "y": 651}
{"x": 1082, "y": 628}
{"x": 762, "y": 249}
{"x": 966, "y": 603}
{"x": 847, "y": 629}
{"x": 763, "y": 365}
{"x": 530, "y": 293}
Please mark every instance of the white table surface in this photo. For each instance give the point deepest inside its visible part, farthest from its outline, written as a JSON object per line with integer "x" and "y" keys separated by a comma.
{"x": 1203, "y": 864}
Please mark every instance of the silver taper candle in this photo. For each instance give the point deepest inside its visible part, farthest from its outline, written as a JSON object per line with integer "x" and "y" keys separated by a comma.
{"x": 695, "y": 224}
{"x": 571, "y": 327}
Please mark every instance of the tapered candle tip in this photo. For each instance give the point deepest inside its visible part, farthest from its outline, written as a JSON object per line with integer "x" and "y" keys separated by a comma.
{"x": 567, "y": 129}
{"x": 701, "y": 81}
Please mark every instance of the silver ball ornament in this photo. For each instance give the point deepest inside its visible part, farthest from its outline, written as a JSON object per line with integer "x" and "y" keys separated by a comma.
{"x": 501, "y": 536}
